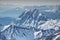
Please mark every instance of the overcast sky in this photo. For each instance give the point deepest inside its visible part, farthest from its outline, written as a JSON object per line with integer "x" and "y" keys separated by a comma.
{"x": 20, "y": 3}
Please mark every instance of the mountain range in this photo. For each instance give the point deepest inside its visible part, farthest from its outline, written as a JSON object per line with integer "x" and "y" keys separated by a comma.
{"x": 32, "y": 25}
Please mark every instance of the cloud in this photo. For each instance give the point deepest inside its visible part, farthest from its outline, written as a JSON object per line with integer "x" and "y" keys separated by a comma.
{"x": 51, "y": 10}
{"x": 20, "y": 3}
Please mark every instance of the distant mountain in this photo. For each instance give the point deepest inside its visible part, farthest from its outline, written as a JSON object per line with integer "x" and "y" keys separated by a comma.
{"x": 12, "y": 12}
{"x": 6, "y": 20}
{"x": 1, "y": 27}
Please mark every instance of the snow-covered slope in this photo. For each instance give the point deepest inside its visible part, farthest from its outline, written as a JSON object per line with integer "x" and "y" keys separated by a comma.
{"x": 48, "y": 30}
{"x": 12, "y": 32}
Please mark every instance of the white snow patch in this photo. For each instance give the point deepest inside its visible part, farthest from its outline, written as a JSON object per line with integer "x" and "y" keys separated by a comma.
{"x": 9, "y": 38}
{"x": 40, "y": 14}
{"x": 5, "y": 27}
{"x": 56, "y": 28}
{"x": 36, "y": 34}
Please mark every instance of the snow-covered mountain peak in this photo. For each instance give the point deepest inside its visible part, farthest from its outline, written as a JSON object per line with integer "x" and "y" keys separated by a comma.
{"x": 30, "y": 17}
{"x": 30, "y": 25}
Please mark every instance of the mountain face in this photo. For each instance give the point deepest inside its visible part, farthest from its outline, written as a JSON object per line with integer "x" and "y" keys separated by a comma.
{"x": 31, "y": 25}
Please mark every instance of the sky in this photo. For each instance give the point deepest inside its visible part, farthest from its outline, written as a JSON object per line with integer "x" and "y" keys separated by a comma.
{"x": 8, "y": 7}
